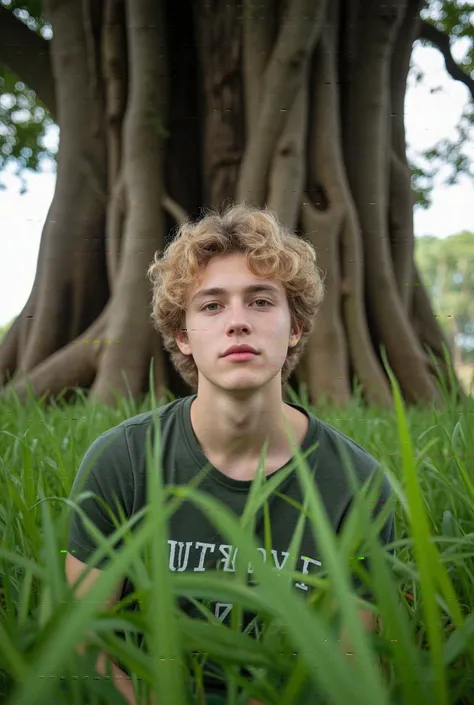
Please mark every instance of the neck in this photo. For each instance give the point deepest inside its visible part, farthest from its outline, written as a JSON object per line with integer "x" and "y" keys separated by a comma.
{"x": 235, "y": 428}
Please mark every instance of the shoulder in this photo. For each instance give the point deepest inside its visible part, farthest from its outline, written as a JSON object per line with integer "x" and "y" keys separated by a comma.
{"x": 123, "y": 446}
{"x": 343, "y": 445}
{"x": 349, "y": 455}
{"x": 339, "y": 440}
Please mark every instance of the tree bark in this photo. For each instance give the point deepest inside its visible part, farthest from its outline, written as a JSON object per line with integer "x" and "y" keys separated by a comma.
{"x": 282, "y": 81}
{"x": 27, "y": 54}
{"x": 114, "y": 70}
{"x": 341, "y": 332}
{"x": 220, "y": 46}
{"x": 124, "y": 368}
{"x": 402, "y": 237}
{"x": 260, "y": 25}
{"x": 9, "y": 352}
{"x": 74, "y": 365}
{"x": 288, "y": 168}
{"x": 402, "y": 199}
{"x": 183, "y": 158}
{"x": 68, "y": 298}
{"x": 368, "y": 170}
{"x": 115, "y": 222}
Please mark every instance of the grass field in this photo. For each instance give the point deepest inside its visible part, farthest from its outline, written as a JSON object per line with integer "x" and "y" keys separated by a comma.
{"x": 424, "y": 593}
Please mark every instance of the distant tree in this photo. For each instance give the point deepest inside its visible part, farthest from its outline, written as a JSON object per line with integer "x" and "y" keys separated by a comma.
{"x": 165, "y": 107}
{"x": 447, "y": 268}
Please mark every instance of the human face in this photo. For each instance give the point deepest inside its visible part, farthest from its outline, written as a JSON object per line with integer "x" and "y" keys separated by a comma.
{"x": 214, "y": 322}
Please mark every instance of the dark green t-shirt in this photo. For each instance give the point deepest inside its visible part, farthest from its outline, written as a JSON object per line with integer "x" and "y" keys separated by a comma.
{"x": 114, "y": 468}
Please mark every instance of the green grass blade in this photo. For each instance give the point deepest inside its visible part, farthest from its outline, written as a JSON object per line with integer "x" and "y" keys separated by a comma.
{"x": 370, "y": 678}
{"x": 304, "y": 627}
{"x": 425, "y": 551}
{"x": 159, "y": 605}
{"x": 74, "y": 624}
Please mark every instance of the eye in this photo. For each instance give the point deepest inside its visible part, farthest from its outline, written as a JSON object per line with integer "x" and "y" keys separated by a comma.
{"x": 216, "y": 304}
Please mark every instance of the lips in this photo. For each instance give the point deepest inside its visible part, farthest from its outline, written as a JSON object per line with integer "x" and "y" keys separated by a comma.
{"x": 240, "y": 349}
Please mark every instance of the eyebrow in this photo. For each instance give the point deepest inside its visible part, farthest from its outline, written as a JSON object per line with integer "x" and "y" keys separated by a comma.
{"x": 252, "y": 289}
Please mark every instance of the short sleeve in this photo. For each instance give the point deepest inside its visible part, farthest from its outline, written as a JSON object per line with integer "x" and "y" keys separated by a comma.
{"x": 105, "y": 471}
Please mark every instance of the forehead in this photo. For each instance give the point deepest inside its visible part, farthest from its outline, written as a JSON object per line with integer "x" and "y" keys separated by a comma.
{"x": 261, "y": 287}
{"x": 229, "y": 275}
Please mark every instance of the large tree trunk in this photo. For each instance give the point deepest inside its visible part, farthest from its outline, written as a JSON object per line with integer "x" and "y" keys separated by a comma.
{"x": 401, "y": 197}
{"x": 164, "y": 108}
{"x": 70, "y": 288}
{"x": 368, "y": 168}
{"x": 124, "y": 366}
{"x": 219, "y": 41}
{"x": 341, "y": 332}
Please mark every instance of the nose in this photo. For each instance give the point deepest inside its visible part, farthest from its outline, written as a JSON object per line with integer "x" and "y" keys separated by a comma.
{"x": 237, "y": 328}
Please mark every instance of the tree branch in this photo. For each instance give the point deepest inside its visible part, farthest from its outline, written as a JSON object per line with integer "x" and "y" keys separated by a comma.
{"x": 27, "y": 54}
{"x": 441, "y": 41}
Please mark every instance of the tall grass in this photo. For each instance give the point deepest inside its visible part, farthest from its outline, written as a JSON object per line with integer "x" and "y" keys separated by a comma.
{"x": 423, "y": 593}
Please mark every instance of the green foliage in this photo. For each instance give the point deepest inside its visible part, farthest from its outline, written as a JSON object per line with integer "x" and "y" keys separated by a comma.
{"x": 422, "y": 183}
{"x": 23, "y": 125}
{"x": 454, "y": 18}
{"x": 24, "y": 120}
{"x": 447, "y": 268}
{"x": 29, "y": 11}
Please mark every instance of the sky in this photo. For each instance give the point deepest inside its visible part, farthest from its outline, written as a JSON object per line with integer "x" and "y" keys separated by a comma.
{"x": 428, "y": 118}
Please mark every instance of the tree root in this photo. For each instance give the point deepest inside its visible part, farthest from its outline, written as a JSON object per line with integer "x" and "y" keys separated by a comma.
{"x": 401, "y": 228}
{"x": 367, "y": 130}
{"x": 432, "y": 338}
{"x": 143, "y": 169}
{"x": 339, "y": 247}
{"x": 9, "y": 352}
{"x": 326, "y": 354}
{"x": 116, "y": 211}
{"x": 75, "y": 365}
{"x": 288, "y": 168}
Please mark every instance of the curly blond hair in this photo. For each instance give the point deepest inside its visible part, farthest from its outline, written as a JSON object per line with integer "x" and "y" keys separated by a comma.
{"x": 273, "y": 251}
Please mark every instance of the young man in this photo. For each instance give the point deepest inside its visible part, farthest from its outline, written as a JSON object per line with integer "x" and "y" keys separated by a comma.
{"x": 231, "y": 280}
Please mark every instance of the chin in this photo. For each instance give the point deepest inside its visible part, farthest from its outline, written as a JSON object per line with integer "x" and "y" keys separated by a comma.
{"x": 250, "y": 381}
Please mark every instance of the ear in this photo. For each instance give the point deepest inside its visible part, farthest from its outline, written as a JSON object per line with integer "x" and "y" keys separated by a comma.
{"x": 182, "y": 341}
{"x": 296, "y": 333}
